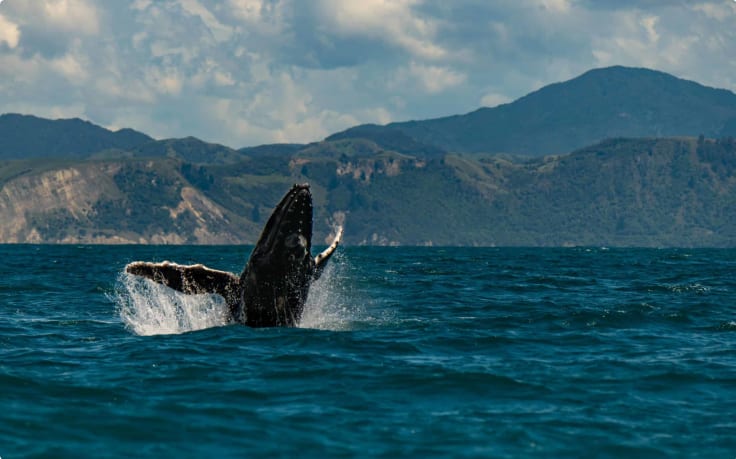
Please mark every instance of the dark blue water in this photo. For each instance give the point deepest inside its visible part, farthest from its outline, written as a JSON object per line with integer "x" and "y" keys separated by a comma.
{"x": 403, "y": 353}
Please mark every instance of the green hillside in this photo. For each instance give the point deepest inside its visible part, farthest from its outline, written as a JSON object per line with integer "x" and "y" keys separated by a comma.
{"x": 639, "y": 174}
{"x": 621, "y": 192}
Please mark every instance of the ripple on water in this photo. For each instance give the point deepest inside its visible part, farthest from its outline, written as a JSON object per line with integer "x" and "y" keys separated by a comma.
{"x": 401, "y": 352}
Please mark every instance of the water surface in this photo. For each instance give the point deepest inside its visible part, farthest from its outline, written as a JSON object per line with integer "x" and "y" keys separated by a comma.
{"x": 412, "y": 352}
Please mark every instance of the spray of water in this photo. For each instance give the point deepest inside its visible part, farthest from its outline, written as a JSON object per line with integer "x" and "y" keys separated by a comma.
{"x": 147, "y": 308}
{"x": 329, "y": 306}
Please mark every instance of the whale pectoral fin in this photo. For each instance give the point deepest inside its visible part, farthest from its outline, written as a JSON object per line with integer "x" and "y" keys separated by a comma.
{"x": 320, "y": 261}
{"x": 190, "y": 279}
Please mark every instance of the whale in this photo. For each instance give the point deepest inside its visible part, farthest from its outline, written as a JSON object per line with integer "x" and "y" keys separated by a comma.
{"x": 274, "y": 285}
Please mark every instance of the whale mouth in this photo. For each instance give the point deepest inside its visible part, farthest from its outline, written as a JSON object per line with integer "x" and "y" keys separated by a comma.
{"x": 289, "y": 228}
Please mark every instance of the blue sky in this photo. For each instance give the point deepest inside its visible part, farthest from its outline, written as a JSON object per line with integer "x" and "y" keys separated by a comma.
{"x": 248, "y": 72}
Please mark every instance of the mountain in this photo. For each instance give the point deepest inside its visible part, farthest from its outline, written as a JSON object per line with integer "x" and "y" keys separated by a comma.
{"x": 621, "y": 192}
{"x": 647, "y": 177}
{"x": 26, "y": 136}
{"x": 559, "y": 118}
{"x": 390, "y": 139}
{"x": 114, "y": 201}
{"x": 276, "y": 149}
{"x": 189, "y": 149}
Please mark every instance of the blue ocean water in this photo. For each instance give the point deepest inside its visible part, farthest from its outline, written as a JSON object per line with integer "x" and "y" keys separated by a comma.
{"x": 403, "y": 352}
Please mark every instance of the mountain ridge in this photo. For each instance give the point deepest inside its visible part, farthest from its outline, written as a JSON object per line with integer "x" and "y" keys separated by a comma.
{"x": 391, "y": 186}
{"x": 650, "y": 192}
{"x": 558, "y": 118}
{"x": 561, "y": 117}
{"x": 28, "y": 136}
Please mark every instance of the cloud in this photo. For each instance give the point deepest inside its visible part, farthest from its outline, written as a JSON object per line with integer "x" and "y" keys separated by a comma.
{"x": 718, "y": 11}
{"x": 245, "y": 72}
{"x": 557, "y": 6}
{"x": 682, "y": 40}
{"x": 220, "y": 31}
{"x": 71, "y": 67}
{"x": 9, "y": 32}
{"x": 397, "y": 23}
{"x": 432, "y": 78}
{"x": 493, "y": 99}
{"x": 49, "y": 27}
{"x": 78, "y": 16}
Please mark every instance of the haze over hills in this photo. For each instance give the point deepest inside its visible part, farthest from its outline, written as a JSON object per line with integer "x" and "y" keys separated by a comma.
{"x": 558, "y": 118}
{"x": 419, "y": 183}
{"x": 561, "y": 117}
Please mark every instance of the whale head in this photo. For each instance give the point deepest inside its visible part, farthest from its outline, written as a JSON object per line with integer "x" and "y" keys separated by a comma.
{"x": 275, "y": 282}
{"x": 287, "y": 235}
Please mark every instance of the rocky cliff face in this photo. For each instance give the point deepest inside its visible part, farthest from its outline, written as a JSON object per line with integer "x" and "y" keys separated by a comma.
{"x": 106, "y": 202}
{"x": 69, "y": 191}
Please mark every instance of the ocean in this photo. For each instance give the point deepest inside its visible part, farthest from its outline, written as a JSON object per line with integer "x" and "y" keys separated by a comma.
{"x": 402, "y": 352}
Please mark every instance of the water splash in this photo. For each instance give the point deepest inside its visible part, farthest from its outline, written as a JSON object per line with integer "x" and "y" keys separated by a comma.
{"x": 329, "y": 304}
{"x": 147, "y": 308}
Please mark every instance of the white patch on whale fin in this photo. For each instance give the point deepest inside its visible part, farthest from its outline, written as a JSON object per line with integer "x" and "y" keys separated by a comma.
{"x": 320, "y": 260}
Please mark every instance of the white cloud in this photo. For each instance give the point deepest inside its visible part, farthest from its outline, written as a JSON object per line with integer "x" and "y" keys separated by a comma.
{"x": 9, "y": 32}
{"x": 396, "y": 22}
{"x": 719, "y": 11}
{"x": 632, "y": 38}
{"x": 164, "y": 80}
{"x": 78, "y": 16}
{"x": 690, "y": 41}
{"x": 48, "y": 27}
{"x": 557, "y": 6}
{"x": 434, "y": 78}
{"x": 243, "y": 72}
{"x": 650, "y": 26}
{"x": 250, "y": 11}
{"x": 220, "y": 31}
{"x": 493, "y": 99}
{"x": 16, "y": 71}
{"x": 71, "y": 68}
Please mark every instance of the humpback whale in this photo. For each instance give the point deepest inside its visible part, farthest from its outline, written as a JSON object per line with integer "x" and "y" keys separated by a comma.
{"x": 273, "y": 287}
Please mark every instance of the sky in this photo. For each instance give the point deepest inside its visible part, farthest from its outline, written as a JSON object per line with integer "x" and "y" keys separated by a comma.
{"x": 250, "y": 72}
